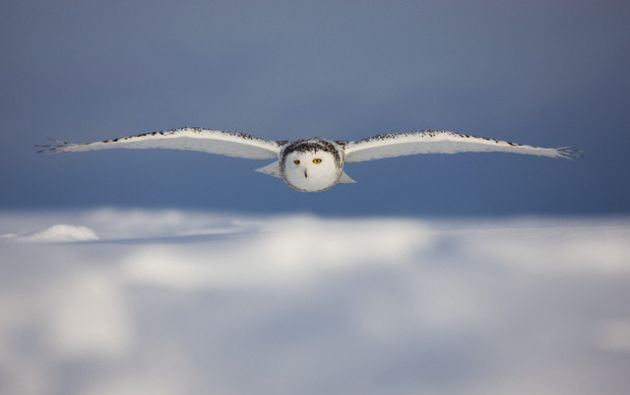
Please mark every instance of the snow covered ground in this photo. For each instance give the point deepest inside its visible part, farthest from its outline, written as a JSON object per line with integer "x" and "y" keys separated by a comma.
{"x": 107, "y": 302}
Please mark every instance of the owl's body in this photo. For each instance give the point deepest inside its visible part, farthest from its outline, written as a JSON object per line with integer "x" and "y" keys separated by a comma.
{"x": 311, "y": 165}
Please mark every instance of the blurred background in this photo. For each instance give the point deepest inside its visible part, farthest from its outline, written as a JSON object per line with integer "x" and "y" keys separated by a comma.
{"x": 168, "y": 302}
{"x": 536, "y": 72}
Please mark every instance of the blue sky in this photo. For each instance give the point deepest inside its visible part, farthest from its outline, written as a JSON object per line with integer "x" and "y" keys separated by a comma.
{"x": 536, "y": 72}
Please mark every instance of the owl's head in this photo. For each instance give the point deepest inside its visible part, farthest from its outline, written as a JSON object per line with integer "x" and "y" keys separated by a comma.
{"x": 311, "y": 168}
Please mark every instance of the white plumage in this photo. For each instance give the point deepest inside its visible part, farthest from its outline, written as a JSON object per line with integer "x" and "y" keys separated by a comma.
{"x": 438, "y": 142}
{"x": 238, "y": 145}
{"x": 311, "y": 165}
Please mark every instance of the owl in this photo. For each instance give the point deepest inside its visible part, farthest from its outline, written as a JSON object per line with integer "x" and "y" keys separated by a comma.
{"x": 313, "y": 164}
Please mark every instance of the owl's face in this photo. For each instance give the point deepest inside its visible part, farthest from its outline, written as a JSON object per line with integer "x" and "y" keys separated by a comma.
{"x": 311, "y": 171}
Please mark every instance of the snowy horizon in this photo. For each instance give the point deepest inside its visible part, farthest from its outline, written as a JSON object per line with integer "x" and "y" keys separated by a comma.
{"x": 169, "y": 301}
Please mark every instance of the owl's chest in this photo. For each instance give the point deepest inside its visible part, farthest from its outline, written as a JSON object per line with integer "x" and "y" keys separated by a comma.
{"x": 312, "y": 180}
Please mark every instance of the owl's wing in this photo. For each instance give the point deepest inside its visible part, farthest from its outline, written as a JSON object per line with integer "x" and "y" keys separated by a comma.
{"x": 438, "y": 142}
{"x": 233, "y": 144}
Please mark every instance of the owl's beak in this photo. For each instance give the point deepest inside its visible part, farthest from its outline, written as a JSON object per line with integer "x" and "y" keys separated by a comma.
{"x": 305, "y": 173}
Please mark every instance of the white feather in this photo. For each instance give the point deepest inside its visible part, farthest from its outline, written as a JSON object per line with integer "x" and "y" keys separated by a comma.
{"x": 232, "y": 144}
{"x": 272, "y": 169}
{"x": 438, "y": 142}
{"x": 346, "y": 179}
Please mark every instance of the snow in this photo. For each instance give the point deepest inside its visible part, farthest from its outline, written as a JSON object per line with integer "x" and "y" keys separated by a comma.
{"x": 57, "y": 233}
{"x": 175, "y": 302}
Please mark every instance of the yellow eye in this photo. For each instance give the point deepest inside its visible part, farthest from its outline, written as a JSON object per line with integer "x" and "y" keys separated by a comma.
{"x": 317, "y": 161}
{"x": 297, "y": 161}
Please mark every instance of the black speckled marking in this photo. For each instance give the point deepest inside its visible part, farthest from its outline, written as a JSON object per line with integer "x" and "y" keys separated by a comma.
{"x": 194, "y": 130}
{"x": 59, "y": 145}
{"x": 429, "y": 133}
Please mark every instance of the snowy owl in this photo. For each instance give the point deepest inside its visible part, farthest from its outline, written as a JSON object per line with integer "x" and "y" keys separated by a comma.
{"x": 314, "y": 164}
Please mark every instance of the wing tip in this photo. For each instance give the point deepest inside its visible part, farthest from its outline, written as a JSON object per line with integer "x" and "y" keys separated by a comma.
{"x": 569, "y": 153}
{"x": 55, "y": 147}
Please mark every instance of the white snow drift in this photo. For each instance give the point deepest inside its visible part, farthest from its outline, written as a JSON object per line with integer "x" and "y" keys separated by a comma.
{"x": 171, "y": 302}
{"x": 55, "y": 234}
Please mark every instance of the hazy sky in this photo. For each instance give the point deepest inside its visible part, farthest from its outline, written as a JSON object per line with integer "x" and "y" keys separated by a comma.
{"x": 536, "y": 72}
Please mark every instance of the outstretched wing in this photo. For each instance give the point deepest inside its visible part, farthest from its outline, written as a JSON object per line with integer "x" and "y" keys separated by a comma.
{"x": 438, "y": 142}
{"x": 233, "y": 144}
